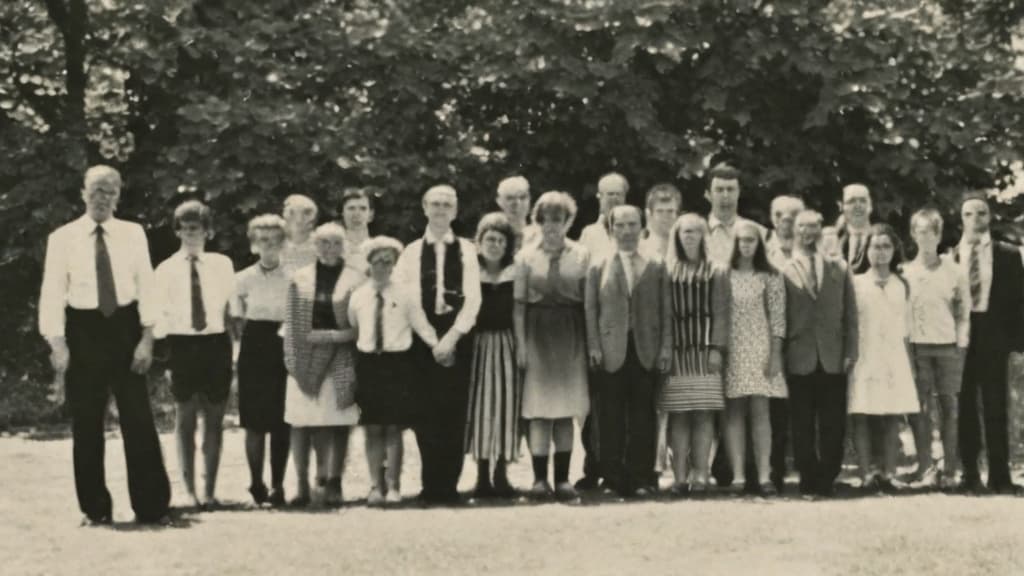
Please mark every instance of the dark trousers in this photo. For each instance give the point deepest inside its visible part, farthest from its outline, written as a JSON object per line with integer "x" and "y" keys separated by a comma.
{"x": 628, "y": 424}
{"x": 440, "y": 426}
{"x": 590, "y": 433}
{"x": 101, "y": 355}
{"x": 817, "y": 410}
{"x": 985, "y": 375}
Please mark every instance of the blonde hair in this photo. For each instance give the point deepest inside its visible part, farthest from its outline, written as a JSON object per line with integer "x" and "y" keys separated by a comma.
{"x": 554, "y": 202}
{"x": 329, "y": 230}
{"x": 673, "y": 252}
{"x": 381, "y": 243}
{"x": 101, "y": 173}
{"x": 297, "y": 202}
{"x": 265, "y": 223}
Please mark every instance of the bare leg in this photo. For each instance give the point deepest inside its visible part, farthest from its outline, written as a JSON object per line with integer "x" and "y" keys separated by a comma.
{"x": 703, "y": 435}
{"x": 761, "y": 433}
{"x": 185, "y": 436}
{"x": 679, "y": 442}
{"x": 213, "y": 436}
{"x": 301, "y": 440}
{"x": 395, "y": 452}
{"x": 736, "y": 437}
{"x": 375, "y": 450}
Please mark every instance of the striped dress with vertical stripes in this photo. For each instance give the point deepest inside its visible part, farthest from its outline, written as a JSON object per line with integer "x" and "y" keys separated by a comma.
{"x": 692, "y": 385}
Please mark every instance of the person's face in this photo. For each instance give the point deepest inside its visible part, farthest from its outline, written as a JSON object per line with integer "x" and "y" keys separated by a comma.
{"x": 101, "y": 196}
{"x": 299, "y": 217}
{"x": 357, "y": 214}
{"x": 515, "y": 204}
{"x": 976, "y": 216}
{"x": 723, "y": 195}
{"x": 329, "y": 249}
{"x": 690, "y": 235}
{"x": 662, "y": 215}
{"x": 925, "y": 236}
{"x": 857, "y": 205}
{"x": 381, "y": 265}
{"x": 193, "y": 235}
{"x": 783, "y": 219}
{"x": 440, "y": 209}
{"x": 493, "y": 246}
{"x": 880, "y": 251}
{"x": 611, "y": 196}
{"x": 808, "y": 231}
{"x": 626, "y": 229}
{"x": 553, "y": 227}
{"x": 746, "y": 241}
{"x": 268, "y": 244}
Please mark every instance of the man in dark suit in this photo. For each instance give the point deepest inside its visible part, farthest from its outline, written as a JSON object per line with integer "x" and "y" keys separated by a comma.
{"x": 853, "y": 232}
{"x": 996, "y": 278}
{"x": 97, "y": 310}
{"x": 630, "y": 342}
{"x": 821, "y": 347}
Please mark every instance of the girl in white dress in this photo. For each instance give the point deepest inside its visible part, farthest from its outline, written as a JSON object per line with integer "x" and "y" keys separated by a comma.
{"x": 882, "y": 385}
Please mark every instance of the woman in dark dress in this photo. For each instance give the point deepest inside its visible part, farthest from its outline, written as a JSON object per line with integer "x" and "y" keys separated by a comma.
{"x": 492, "y": 420}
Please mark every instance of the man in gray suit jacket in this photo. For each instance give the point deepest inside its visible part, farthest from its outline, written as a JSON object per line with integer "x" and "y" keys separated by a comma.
{"x": 630, "y": 341}
{"x": 821, "y": 347}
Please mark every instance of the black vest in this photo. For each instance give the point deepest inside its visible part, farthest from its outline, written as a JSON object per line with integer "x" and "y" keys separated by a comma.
{"x": 453, "y": 295}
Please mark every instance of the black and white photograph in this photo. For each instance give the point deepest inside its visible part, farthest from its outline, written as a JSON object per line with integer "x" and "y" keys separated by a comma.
{"x": 512, "y": 287}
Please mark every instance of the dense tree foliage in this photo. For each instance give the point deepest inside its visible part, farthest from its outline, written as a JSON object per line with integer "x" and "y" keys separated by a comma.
{"x": 243, "y": 102}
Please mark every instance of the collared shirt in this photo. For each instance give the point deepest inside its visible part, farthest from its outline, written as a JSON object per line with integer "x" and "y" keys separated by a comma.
{"x": 721, "y": 239}
{"x": 940, "y": 303}
{"x": 779, "y": 252}
{"x": 628, "y": 264}
{"x": 985, "y": 265}
{"x": 69, "y": 274}
{"x": 804, "y": 262}
{"x": 654, "y": 246}
{"x": 596, "y": 240}
{"x": 855, "y": 243}
{"x": 532, "y": 265}
{"x": 260, "y": 294}
{"x": 407, "y": 273}
{"x": 174, "y": 293}
{"x": 400, "y": 317}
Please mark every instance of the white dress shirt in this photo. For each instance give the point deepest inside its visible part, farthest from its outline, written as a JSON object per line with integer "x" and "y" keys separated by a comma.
{"x": 174, "y": 293}
{"x": 721, "y": 239}
{"x": 596, "y": 240}
{"x": 407, "y": 275}
{"x": 69, "y": 274}
{"x": 628, "y": 264}
{"x": 654, "y": 246}
{"x": 803, "y": 260}
{"x": 401, "y": 316}
{"x": 985, "y": 265}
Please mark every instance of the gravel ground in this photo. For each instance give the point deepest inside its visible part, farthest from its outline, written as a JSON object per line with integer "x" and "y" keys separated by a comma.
{"x": 917, "y": 534}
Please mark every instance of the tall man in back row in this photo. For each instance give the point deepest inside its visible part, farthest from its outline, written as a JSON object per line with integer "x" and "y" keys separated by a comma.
{"x": 96, "y": 310}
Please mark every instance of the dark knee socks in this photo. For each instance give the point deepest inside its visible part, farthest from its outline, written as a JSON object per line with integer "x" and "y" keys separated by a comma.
{"x": 562, "y": 467}
{"x": 540, "y": 468}
{"x": 280, "y": 443}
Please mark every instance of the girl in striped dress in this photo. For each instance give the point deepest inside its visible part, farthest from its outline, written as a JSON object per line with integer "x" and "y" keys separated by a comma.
{"x": 492, "y": 422}
{"x": 694, "y": 392}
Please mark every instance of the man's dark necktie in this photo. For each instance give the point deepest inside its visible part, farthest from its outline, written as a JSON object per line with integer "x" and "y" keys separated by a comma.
{"x": 198, "y": 311}
{"x": 106, "y": 290}
{"x": 378, "y": 324}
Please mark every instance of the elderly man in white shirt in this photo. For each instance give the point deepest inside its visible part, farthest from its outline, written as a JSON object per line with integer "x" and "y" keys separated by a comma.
{"x": 96, "y": 311}
{"x": 514, "y": 200}
{"x": 612, "y": 189}
{"x": 444, "y": 270}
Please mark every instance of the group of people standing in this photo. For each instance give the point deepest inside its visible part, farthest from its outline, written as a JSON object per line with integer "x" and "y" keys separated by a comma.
{"x": 664, "y": 339}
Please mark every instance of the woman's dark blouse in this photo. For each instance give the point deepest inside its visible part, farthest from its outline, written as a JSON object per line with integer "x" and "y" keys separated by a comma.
{"x": 496, "y": 306}
{"x": 323, "y": 308}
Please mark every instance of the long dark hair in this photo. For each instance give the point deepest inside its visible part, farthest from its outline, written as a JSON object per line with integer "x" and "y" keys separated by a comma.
{"x": 761, "y": 262}
{"x": 896, "y": 264}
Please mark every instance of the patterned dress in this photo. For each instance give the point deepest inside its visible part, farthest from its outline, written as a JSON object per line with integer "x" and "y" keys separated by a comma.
{"x": 757, "y": 314}
{"x": 697, "y": 302}
{"x": 492, "y": 420}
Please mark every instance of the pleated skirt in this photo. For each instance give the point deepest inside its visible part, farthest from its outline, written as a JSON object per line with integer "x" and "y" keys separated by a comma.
{"x": 495, "y": 397}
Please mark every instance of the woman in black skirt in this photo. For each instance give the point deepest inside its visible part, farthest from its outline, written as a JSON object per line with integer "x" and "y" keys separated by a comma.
{"x": 258, "y": 308}
{"x": 384, "y": 316}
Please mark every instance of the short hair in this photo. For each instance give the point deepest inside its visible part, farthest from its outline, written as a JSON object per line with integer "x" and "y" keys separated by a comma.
{"x": 782, "y": 201}
{"x": 379, "y": 244}
{"x": 101, "y": 173}
{"x": 353, "y": 193}
{"x": 624, "y": 208}
{"x": 813, "y": 213}
{"x": 723, "y": 171}
{"x": 855, "y": 186}
{"x": 552, "y": 203}
{"x": 974, "y": 195}
{"x": 441, "y": 189}
{"x": 193, "y": 211}
{"x": 329, "y": 230}
{"x": 512, "y": 184}
{"x": 611, "y": 179}
{"x": 498, "y": 222}
{"x": 664, "y": 192}
{"x": 265, "y": 223}
{"x": 299, "y": 202}
{"x": 928, "y": 216}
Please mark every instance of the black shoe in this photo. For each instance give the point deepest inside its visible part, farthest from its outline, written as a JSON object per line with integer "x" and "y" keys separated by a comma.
{"x": 971, "y": 484}
{"x": 502, "y": 489}
{"x": 276, "y": 498}
{"x": 94, "y": 521}
{"x": 259, "y": 494}
{"x": 1007, "y": 489}
{"x": 827, "y": 491}
{"x": 300, "y": 501}
{"x": 587, "y": 483}
{"x": 767, "y": 490}
{"x": 484, "y": 490}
